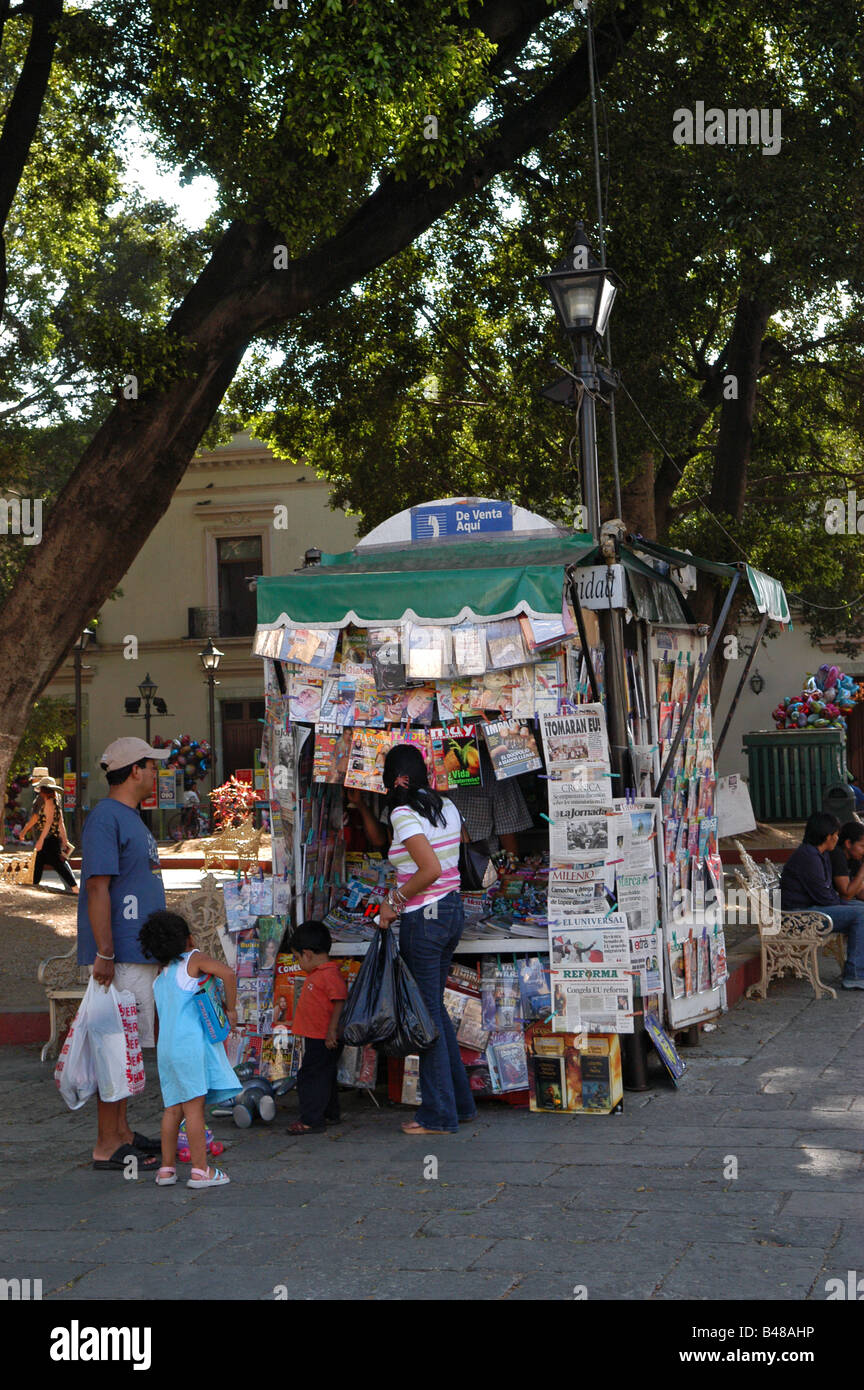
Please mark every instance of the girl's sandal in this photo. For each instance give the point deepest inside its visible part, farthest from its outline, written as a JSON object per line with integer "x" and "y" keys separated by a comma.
{"x": 166, "y": 1176}
{"x": 200, "y": 1177}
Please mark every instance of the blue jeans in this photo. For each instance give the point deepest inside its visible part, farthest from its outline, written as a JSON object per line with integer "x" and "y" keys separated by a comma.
{"x": 427, "y": 939}
{"x": 849, "y": 918}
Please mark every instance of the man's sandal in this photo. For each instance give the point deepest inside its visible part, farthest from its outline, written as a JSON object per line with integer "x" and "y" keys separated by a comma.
{"x": 412, "y": 1127}
{"x": 300, "y": 1128}
{"x": 119, "y": 1159}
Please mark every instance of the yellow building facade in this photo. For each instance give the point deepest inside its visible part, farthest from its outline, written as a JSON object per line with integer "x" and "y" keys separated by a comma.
{"x": 238, "y": 512}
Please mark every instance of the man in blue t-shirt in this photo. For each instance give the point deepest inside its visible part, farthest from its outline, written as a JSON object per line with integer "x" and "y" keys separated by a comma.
{"x": 120, "y": 886}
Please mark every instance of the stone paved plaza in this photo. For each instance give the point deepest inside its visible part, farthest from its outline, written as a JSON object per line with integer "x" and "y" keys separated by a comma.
{"x": 633, "y": 1206}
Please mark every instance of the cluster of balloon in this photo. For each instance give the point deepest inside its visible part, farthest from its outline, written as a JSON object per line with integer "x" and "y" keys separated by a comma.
{"x": 826, "y": 700}
{"x": 189, "y": 755}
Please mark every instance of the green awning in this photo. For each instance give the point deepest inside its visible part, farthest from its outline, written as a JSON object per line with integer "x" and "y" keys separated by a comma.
{"x": 439, "y": 583}
{"x": 768, "y": 594}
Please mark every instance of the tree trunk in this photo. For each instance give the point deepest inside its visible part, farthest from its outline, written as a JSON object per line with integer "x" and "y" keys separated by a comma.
{"x": 128, "y": 474}
{"x": 637, "y": 501}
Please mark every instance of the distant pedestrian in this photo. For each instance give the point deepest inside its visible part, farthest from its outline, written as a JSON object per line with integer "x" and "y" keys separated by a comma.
{"x": 52, "y": 842}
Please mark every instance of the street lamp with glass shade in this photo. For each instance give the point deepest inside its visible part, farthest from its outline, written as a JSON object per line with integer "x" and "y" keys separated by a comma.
{"x": 148, "y": 688}
{"x": 210, "y": 658}
{"x": 581, "y": 290}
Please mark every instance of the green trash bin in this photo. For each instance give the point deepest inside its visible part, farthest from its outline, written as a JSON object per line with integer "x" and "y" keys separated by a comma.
{"x": 790, "y": 769}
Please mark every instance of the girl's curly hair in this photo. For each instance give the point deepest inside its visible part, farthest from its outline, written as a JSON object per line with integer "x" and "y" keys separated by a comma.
{"x": 163, "y": 936}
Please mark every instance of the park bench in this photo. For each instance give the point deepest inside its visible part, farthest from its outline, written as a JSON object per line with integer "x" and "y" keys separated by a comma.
{"x": 65, "y": 981}
{"x": 789, "y": 942}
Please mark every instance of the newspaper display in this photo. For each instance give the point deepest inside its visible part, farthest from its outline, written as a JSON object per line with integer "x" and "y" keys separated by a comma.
{"x": 637, "y": 897}
{"x": 576, "y": 888}
{"x": 577, "y": 754}
{"x": 578, "y": 831}
{"x": 645, "y": 956}
{"x": 589, "y": 940}
{"x": 566, "y": 1004}
{"x": 605, "y": 996}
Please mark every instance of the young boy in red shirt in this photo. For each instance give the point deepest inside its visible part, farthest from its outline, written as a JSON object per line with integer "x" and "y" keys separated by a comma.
{"x": 316, "y": 1020}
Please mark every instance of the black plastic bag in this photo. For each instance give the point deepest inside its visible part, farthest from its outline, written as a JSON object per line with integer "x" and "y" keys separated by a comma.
{"x": 369, "y": 1016}
{"x": 415, "y": 1031}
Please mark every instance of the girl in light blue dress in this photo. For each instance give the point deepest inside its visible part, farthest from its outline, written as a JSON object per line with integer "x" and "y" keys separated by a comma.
{"x": 193, "y": 1070}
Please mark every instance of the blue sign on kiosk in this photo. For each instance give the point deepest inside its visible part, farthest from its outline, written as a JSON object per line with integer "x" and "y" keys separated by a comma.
{"x": 470, "y": 519}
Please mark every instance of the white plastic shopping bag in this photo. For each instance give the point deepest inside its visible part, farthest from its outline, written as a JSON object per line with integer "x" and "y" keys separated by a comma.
{"x": 107, "y": 1042}
{"x": 75, "y": 1074}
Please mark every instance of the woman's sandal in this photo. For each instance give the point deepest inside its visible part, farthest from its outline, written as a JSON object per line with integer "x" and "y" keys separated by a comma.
{"x": 412, "y": 1127}
{"x": 203, "y": 1178}
{"x": 300, "y": 1128}
{"x": 166, "y": 1176}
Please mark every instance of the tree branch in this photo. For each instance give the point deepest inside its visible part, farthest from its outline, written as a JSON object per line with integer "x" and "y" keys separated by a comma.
{"x": 22, "y": 115}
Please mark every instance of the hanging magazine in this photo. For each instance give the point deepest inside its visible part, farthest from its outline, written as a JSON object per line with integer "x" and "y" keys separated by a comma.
{"x": 332, "y": 749}
{"x": 369, "y": 748}
{"x": 384, "y": 647}
{"x": 456, "y": 757}
{"x": 469, "y": 649}
{"x": 512, "y": 748}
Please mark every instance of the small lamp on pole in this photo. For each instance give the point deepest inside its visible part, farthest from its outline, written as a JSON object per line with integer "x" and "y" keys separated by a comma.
{"x": 210, "y": 658}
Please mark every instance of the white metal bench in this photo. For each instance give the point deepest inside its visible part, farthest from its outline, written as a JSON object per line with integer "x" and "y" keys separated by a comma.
{"x": 789, "y": 942}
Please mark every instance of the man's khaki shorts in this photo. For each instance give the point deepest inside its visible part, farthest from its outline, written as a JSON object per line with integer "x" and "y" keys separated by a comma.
{"x": 139, "y": 978}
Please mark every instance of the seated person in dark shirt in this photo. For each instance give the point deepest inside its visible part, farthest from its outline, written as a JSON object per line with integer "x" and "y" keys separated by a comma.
{"x": 847, "y": 861}
{"x": 807, "y": 882}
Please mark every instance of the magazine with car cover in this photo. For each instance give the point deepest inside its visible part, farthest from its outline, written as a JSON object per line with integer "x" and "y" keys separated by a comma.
{"x": 512, "y": 748}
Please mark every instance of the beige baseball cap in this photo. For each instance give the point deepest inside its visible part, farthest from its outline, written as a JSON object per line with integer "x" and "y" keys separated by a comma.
{"x": 123, "y": 752}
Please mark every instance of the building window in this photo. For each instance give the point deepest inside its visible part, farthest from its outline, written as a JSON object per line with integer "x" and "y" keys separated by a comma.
{"x": 238, "y": 559}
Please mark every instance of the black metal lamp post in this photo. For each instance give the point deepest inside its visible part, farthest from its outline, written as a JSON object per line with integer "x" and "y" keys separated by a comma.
{"x": 583, "y": 293}
{"x": 77, "y": 654}
{"x": 147, "y": 690}
{"x": 210, "y": 658}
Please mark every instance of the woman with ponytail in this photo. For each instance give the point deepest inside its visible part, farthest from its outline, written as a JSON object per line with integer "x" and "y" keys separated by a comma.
{"x": 427, "y": 830}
